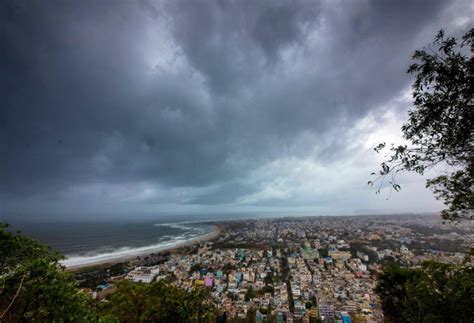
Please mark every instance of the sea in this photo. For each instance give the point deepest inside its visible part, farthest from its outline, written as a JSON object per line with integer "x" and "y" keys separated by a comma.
{"x": 90, "y": 242}
{"x": 93, "y": 241}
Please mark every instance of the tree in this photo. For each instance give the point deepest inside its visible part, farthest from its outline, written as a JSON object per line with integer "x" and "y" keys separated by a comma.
{"x": 195, "y": 267}
{"x": 440, "y": 125}
{"x": 435, "y": 292}
{"x": 267, "y": 289}
{"x": 33, "y": 286}
{"x": 268, "y": 280}
{"x": 250, "y": 294}
{"x": 157, "y": 302}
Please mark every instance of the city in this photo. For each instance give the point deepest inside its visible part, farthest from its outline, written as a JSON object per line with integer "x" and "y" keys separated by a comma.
{"x": 297, "y": 269}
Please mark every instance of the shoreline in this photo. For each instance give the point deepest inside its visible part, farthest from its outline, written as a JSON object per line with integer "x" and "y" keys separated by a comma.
{"x": 217, "y": 230}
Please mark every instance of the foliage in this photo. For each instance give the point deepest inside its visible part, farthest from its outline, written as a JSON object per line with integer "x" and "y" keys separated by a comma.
{"x": 94, "y": 276}
{"x": 323, "y": 252}
{"x": 157, "y": 302}
{"x": 33, "y": 286}
{"x": 436, "y": 292}
{"x": 267, "y": 289}
{"x": 195, "y": 267}
{"x": 268, "y": 280}
{"x": 440, "y": 125}
{"x": 251, "y": 294}
{"x": 228, "y": 268}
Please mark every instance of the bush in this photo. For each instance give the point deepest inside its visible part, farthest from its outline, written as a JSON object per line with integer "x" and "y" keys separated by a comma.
{"x": 436, "y": 292}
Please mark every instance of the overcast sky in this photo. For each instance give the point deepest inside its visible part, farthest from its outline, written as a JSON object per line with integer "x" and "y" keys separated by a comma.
{"x": 144, "y": 107}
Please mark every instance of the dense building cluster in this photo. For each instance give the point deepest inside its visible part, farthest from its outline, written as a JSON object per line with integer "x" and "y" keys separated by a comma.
{"x": 305, "y": 269}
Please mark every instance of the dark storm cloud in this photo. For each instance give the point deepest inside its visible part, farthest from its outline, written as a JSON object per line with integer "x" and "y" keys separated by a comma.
{"x": 193, "y": 94}
{"x": 225, "y": 40}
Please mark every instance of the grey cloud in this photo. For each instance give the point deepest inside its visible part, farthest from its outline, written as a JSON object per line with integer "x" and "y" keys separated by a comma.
{"x": 230, "y": 41}
{"x": 242, "y": 86}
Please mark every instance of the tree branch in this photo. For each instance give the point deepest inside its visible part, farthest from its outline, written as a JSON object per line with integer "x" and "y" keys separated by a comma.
{"x": 14, "y": 297}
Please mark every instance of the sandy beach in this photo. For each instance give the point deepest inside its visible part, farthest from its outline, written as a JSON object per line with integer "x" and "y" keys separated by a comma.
{"x": 133, "y": 254}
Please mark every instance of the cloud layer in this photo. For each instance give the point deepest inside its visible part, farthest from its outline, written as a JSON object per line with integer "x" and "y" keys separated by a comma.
{"x": 138, "y": 107}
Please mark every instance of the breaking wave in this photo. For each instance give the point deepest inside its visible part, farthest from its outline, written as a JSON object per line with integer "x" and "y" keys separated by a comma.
{"x": 187, "y": 233}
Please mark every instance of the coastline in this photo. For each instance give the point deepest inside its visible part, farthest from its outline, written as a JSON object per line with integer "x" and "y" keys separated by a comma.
{"x": 217, "y": 230}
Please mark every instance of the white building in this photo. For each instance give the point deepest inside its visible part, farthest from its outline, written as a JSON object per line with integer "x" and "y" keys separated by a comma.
{"x": 143, "y": 274}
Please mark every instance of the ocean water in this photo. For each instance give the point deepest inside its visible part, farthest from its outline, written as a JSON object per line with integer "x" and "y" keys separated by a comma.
{"x": 92, "y": 242}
